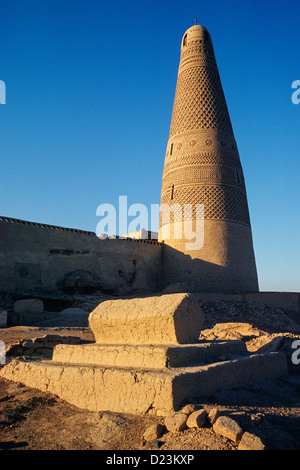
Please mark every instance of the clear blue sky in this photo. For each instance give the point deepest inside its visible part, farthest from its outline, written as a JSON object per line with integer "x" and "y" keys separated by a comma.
{"x": 90, "y": 87}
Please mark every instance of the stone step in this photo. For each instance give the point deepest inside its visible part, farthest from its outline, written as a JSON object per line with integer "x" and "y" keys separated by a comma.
{"x": 139, "y": 391}
{"x": 148, "y": 357}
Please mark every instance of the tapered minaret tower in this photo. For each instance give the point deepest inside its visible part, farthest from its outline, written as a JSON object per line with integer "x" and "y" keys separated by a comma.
{"x": 202, "y": 167}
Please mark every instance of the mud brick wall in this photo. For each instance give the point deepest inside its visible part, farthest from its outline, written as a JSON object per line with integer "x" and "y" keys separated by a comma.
{"x": 45, "y": 259}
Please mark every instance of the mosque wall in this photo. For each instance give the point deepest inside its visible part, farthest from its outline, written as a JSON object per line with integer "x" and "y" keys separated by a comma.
{"x": 39, "y": 259}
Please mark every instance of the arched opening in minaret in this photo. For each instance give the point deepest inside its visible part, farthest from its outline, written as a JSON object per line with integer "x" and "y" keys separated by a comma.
{"x": 172, "y": 192}
{"x": 184, "y": 40}
{"x": 171, "y": 149}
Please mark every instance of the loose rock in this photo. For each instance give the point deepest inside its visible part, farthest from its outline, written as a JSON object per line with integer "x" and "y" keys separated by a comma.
{"x": 176, "y": 422}
{"x": 189, "y": 409}
{"x": 213, "y": 415}
{"x": 153, "y": 432}
{"x": 196, "y": 419}
{"x": 228, "y": 428}
{"x": 250, "y": 442}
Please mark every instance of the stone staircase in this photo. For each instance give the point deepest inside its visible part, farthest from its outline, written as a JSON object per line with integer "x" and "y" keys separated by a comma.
{"x": 146, "y": 358}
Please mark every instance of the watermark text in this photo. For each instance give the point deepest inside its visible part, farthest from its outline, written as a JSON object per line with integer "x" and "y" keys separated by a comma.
{"x": 2, "y": 92}
{"x": 2, "y": 353}
{"x": 296, "y": 94}
{"x": 296, "y": 355}
{"x": 177, "y": 221}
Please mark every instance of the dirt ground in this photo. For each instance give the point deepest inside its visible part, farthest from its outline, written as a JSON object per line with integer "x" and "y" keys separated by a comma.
{"x": 33, "y": 420}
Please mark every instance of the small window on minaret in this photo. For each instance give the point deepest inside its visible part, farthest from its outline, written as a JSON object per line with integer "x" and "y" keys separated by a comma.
{"x": 171, "y": 149}
{"x": 184, "y": 40}
{"x": 172, "y": 191}
{"x": 238, "y": 176}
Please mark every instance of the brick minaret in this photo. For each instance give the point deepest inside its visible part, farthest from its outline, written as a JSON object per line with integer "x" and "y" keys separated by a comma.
{"x": 202, "y": 166}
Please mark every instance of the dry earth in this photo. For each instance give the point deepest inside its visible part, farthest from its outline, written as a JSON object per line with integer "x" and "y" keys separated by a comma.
{"x": 32, "y": 420}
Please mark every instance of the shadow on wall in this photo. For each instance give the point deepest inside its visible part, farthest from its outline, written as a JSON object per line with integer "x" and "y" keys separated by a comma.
{"x": 196, "y": 275}
{"x": 178, "y": 272}
{"x": 122, "y": 281}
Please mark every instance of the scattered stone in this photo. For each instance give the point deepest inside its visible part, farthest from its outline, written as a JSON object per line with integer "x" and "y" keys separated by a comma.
{"x": 213, "y": 415}
{"x": 176, "y": 422}
{"x": 230, "y": 330}
{"x": 228, "y": 428}
{"x": 29, "y": 306}
{"x": 189, "y": 409}
{"x": 256, "y": 417}
{"x": 153, "y": 432}
{"x": 250, "y": 442}
{"x": 196, "y": 419}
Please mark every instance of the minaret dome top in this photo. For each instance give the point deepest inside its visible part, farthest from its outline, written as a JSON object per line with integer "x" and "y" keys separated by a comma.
{"x": 196, "y": 32}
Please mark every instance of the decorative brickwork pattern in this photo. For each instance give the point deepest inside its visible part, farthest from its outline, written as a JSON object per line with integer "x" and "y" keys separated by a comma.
{"x": 192, "y": 174}
{"x": 202, "y": 159}
{"x": 220, "y": 202}
{"x": 202, "y": 174}
{"x": 199, "y": 102}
